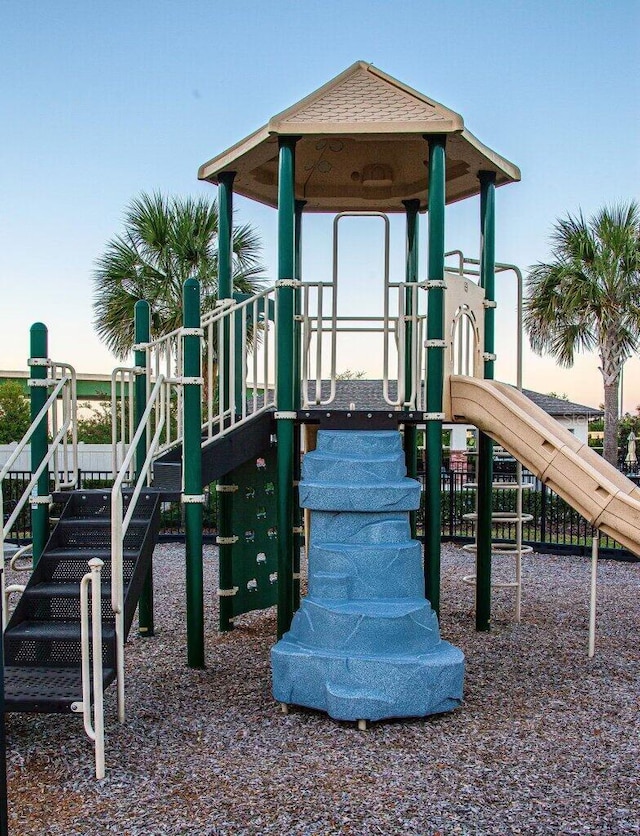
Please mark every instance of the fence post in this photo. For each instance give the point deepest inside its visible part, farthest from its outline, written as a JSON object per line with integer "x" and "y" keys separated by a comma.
{"x": 142, "y": 335}
{"x": 543, "y": 513}
{"x": 38, "y": 397}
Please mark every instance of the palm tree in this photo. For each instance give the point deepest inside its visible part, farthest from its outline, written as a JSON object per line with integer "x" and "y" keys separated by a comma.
{"x": 588, "y": 298}
{"x": 165, "y": 241}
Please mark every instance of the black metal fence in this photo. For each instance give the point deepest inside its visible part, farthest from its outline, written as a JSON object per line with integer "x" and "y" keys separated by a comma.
{"x": 554, "y": 526}
{"x": 172, "y": 519}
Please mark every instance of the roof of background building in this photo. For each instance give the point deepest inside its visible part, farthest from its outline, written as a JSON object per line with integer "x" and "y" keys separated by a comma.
{"x": 368, "y": 394}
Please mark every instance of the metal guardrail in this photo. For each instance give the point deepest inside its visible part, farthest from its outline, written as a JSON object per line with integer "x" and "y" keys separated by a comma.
{"x": 91, "y": 655}
{"x": 62, "y": 450}
{"x": 156, "y": 408}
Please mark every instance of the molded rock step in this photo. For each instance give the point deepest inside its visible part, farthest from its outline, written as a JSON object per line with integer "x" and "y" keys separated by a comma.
{"x": 353, "y": 570}
{"x": 368, "y": 443}
{"x": 366, "y": 627}
{"x": 320, "y": 466}
{"x": 356, "y": 688}
{"x": 344, "y": 527}
{"x": 397, "y": 495}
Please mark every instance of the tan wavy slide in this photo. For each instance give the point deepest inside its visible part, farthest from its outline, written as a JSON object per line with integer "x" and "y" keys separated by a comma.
{"x": 598, "y": 491}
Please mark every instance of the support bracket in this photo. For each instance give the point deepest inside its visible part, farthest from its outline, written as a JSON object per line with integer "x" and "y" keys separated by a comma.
{"x": 41, "y": 383}
{"x": 288, "y": 283}
{"x": 227, "y": 541}
{"x": 226, "y": 488}
{"x": 227, "y": 593}
{"x": 41, "y": 500}
{"x": 193, "y": 498}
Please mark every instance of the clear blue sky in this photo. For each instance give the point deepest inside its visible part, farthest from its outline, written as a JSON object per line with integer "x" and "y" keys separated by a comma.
{"x": 101, "y": 100}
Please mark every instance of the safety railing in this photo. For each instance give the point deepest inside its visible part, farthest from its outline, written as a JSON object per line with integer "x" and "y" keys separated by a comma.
{"x": 59, "y": 413}
{"x": 401, "y": 325}
{"x": 237, "y": 386}
{"x": 163, "y": 357}
{"x": 152, "y": 423}
{"x": 122, "y": 414}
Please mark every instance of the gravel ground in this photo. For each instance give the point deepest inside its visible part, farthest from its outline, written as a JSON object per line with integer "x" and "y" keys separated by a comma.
{"x": 547, "y": 742}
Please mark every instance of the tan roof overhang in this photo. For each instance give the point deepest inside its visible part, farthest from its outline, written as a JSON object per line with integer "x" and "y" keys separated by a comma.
{"x": 361, "y": 146}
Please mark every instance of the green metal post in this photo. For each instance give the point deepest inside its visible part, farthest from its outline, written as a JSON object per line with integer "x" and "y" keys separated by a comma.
{"x": 225, "y": 497}
{"x": 39, "y": 394}
{"x": 142, "y": 332}
{"x": 285, "y": 301}
{"x": 485, "y": 444}
{"x": 435, "y": 367}
{"x": 193, "y": 474}
{"x": 297, "y": 398}
{"x": 410, "y": 433}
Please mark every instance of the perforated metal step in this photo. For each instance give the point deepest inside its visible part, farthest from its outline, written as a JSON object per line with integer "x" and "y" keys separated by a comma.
{"x": 42, "y": 639}
{"x": 44, "y": 689}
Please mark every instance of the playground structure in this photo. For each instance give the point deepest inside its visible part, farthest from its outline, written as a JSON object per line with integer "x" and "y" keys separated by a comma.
{"x": 362, "y": 145}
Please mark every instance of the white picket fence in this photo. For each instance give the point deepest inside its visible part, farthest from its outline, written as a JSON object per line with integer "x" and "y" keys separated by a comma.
{"x": 90, "y": 456}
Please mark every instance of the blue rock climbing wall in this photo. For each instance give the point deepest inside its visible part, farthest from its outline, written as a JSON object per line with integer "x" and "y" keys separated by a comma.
{"x": 365, "y": 643}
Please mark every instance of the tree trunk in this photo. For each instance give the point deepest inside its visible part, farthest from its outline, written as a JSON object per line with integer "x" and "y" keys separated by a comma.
{"x": 610, "y": 451}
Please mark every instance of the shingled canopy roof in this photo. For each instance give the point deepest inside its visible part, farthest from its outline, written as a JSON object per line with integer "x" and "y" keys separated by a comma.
{"x": 362, "y": 147}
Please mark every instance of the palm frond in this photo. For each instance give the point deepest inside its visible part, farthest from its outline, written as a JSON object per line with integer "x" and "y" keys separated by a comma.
{"x": 165, "y": 241}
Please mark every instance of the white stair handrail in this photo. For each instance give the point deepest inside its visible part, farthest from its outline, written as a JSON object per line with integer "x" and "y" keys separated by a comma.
{"x": 120, "y": 523}
{"x": 67, "y": 383}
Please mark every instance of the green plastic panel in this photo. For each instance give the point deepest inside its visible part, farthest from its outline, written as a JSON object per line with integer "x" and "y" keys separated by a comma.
{"x": 255, "y": 553}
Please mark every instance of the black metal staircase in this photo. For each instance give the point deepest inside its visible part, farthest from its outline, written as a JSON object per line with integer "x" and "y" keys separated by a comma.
{"x": 42, "y": 639}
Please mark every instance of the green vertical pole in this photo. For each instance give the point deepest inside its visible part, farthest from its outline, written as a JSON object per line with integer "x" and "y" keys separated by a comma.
{"x": 410, "y": 433}
{"x": 225, "y": 496}
{"x": 485, "y": 444}
{"x": 142, "y": 332}
{"x": 285, "y": 386}
{"x": 39, "y": 394}
{"x": 435, "y": 366}
{"x": 192, "y": 464}
{"x": 297, "y": 398}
